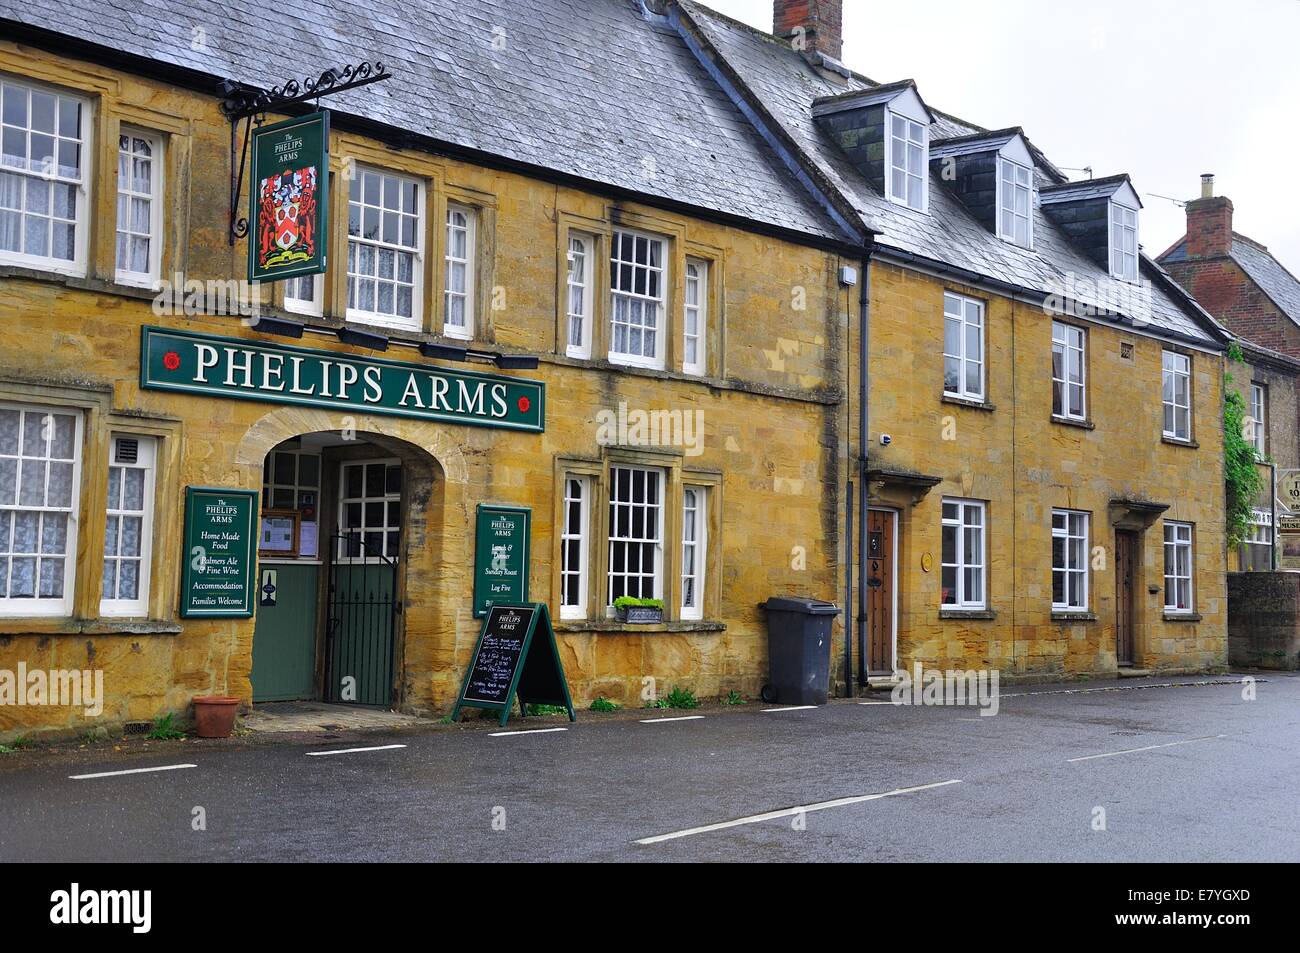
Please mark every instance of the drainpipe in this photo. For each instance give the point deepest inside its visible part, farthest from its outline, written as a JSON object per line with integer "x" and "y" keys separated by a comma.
{"x": 864, "y": 336}
{"x": 848, "y": 592}
{"x": 1272, "y": 496}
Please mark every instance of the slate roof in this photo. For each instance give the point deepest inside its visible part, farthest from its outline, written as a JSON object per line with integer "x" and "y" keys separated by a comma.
{"x": 1273, "y": 278}
{"x": 1085, "y": 189}
{"x": 592, "y": 89}
{"x": 783, "y": 80}
{"x": 582, "y": 87}
{"x": 975, "y": 142}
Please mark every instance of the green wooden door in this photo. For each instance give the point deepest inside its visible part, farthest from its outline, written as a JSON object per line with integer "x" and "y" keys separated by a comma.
{"x": 359, "y": 639}
{"x": 284, "y": 635}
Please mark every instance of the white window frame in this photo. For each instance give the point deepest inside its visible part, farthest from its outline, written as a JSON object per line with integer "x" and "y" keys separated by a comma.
{"x": 450, "y": 262}
{"x": 657, "y": 573}
{"x": 914, "y": 134}
{"x": 146, "y": 460}
{"x": 695, "y": 503}
{"x": 1175, "y": 366}
{"x": 356, "y": 242}
{"x": 581, "y": 534}
{"x": 580, "y": 294}
{"x": 1259, "y": 419}
{"x": 1071, "y": 343}
{"x": 965, "y": 560}
{"x": 1123, "y": 242}
{"x": 1259, "y": 535}
{"x": 695, "y": 311}
{"x": 341, "y": 553}
{"x": 313, "y": 306}
{"x": 618, "y": 294}
{"x": 149, "y": 278}
{"x": 958, "y": 308}
{"x": 82, "y": 184}
{"x": 1073, "y": 531}
{"x": 48, "y": 606}
{"x": 1015, "y": 180}
{"x": 1179, "y": 537}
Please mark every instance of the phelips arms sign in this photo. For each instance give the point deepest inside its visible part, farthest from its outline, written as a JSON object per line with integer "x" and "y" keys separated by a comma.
{"x": 282, "y": 374}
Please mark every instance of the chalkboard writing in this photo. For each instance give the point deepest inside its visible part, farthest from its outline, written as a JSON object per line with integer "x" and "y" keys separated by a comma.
{"x": 500, "y": 650}
{"x": 220, "y": 546}
{"x": 516, "y": 657}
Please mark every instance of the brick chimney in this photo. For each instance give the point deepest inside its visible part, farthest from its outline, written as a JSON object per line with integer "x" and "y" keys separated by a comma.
{"x": 811, "y": 26}
{"x": 1209, "y": 223}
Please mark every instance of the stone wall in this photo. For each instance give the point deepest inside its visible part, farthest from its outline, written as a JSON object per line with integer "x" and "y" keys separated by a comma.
{"x": 1264, "y": 620}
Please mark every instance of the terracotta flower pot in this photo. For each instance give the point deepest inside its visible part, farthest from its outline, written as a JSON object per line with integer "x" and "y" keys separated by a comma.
{"x": 214, "y": 715}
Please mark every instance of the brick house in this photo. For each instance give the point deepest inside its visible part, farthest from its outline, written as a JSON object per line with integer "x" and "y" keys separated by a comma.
{"x": 1255, "y": 296}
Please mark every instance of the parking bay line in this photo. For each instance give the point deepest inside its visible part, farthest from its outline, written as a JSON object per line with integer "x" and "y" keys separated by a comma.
{"x": 788, "y": 708}
{"x": 1170, "y": 744}
{"x": 115, "y": 774}
{"x": 792, "y": 811}
{"x": 655, "y": 721}
{"x": 524, "y": 731}
{"x": 321, "y": 754}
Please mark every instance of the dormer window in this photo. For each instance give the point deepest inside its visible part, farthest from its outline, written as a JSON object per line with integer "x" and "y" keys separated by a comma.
{"x": 1015, "y": 203}
{"x": 1123, "y": 242}
{"x": 907, "y": 162}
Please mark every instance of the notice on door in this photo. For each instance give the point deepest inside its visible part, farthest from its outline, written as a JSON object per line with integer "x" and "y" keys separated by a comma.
{"x": 501, "y": 556}
{"x": 218, "y": 575}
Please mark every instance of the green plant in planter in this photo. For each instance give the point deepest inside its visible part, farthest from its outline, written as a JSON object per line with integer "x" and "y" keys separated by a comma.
{"x": 626, "y": 602}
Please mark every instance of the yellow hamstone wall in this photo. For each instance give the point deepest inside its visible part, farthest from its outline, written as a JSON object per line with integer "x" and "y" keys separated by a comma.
{"x": 770, "y": 406}
{"x": 1014, "y": 456}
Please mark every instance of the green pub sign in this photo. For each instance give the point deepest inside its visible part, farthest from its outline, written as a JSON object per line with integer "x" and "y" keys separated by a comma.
{"x": 246, "y": 369}
{"x": 288, "y": 216}
{"x": 501, "y": 543}
{"x": 218, "y": 573}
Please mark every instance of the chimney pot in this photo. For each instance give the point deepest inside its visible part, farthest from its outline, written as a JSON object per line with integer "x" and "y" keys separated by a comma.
{"x": 1207, "y": 185}
{"x": 811, "y": 26}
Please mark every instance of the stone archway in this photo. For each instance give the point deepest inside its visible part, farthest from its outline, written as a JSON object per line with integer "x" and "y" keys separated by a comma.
{"x": 435, "y": 477}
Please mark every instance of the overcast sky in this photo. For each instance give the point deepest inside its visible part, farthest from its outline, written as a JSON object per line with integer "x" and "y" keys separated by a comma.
{"x": 1161, "y": 89}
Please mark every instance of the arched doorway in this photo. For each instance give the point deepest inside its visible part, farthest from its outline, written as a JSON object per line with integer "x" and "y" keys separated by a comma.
{"x": 337, "y": 509}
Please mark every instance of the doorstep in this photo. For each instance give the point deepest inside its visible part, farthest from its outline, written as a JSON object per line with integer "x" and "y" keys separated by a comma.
{"x": 1135, "y": 673}
{"x": 322, "y": 716}
{"x": 881, "y": 683}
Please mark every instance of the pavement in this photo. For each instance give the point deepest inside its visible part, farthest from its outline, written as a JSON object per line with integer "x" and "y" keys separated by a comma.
{"x": 1144, "y": 770}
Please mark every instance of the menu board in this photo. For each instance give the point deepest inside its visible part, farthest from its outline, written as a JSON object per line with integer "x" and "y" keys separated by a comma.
{"x": 500, "y": 650}
{"x": 220, "y": 550}
{"x": 515, "y": 657}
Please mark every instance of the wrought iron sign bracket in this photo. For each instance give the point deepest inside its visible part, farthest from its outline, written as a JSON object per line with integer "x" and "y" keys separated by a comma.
{"x": 250, "y": 104}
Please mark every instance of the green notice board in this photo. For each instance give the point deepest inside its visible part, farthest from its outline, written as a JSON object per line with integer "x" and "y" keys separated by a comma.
{"x": 501, "y": 548}
{"x": 515, "y": 657}
{"x": 218, "y": 572}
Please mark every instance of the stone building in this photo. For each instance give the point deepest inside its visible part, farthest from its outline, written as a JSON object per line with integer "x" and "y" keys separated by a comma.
{"x": 621, "y": 252}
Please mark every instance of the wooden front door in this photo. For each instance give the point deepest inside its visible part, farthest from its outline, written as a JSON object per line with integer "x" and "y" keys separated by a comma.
{"x": 1125, "y": 578}
{"x": 881, "y": 583}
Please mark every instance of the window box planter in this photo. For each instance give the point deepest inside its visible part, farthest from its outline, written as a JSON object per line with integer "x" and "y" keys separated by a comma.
{"x": 639, "y": 611}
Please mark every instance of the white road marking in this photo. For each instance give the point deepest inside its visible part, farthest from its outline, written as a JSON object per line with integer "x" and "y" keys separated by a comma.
{"x": 791, "y": 812}
{"x": 525, "y": 731}
{"x": 655, "y": 721}
{"x": 789, "y": 708}
{"x": 875, "y": 703}
{"x": 321, "y": 754}
{"x": 1171, "y": 744}
{"x": 114, "y": 774}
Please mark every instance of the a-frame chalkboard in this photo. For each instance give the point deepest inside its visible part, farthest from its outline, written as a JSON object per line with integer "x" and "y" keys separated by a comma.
{"x": 516, "y": 657}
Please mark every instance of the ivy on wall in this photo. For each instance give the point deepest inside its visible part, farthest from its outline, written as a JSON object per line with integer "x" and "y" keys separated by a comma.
{"x": 1242, "y": 479}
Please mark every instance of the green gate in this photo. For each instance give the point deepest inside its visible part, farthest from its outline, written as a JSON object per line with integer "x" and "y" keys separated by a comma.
{"x": 362, "y": 616}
